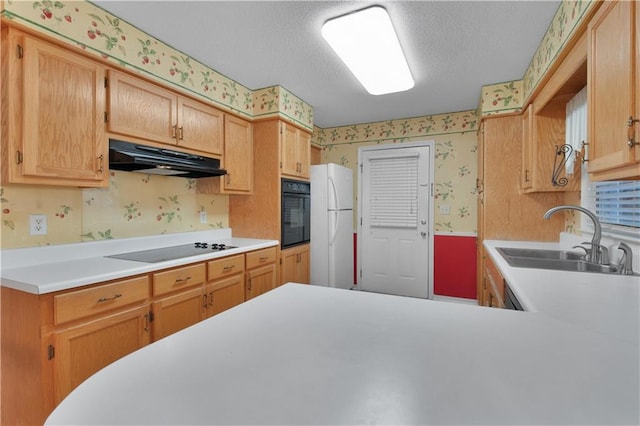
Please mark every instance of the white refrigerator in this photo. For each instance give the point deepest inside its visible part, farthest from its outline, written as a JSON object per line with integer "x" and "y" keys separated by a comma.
{"x": 332, "y": 226}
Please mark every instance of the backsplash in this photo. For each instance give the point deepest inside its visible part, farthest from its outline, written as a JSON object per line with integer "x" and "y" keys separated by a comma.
{"x": 133, "y": 205}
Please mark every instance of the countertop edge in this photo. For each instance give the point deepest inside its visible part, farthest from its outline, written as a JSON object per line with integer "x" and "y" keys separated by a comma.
{"x": 26, "y": 279}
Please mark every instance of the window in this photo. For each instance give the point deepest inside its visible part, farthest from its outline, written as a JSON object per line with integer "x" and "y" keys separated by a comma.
{"x": 618, "y": 203}
{"x": 394, "y": 191}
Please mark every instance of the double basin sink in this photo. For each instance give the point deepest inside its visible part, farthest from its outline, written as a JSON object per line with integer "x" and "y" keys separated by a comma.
{"x": 559, "y": 260}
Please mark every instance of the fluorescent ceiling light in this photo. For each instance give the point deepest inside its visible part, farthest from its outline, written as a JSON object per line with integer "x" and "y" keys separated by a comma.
{"x": 367, "y": 43}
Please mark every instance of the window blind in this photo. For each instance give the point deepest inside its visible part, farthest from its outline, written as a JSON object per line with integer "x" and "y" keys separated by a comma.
{"x": 618, "y": 202}
{"x": 394, "y": 192}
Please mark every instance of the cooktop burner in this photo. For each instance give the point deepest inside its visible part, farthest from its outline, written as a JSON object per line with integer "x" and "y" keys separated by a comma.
{"x": 170, "y": 253}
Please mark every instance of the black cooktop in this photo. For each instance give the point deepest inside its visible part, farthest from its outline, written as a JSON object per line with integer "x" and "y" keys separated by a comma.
{"x": 170, "y": 253}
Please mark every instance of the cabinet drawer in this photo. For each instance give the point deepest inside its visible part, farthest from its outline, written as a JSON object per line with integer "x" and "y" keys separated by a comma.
{"x": 94, "y": 300}
{"x": 178, "y": 279}
{"x": 261, "y": 257}
{"x": 224, "y": 267}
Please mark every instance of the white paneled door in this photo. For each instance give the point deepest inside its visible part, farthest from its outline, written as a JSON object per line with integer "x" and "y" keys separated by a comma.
{"x": 395, "y": 249}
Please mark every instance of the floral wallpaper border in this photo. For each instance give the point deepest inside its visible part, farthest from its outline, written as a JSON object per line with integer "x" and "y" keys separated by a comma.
{"x": 508, "y": 97}
{"x": 400, "y": 130}
{"x": 278, "y": 101}
{"x": 102, "y": 34}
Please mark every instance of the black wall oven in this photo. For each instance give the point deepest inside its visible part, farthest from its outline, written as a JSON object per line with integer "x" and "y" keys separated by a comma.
{"x": 296, "y": 212}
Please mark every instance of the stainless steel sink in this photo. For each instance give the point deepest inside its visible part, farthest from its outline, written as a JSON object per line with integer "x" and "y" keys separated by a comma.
{"x": 539, "y": 253}
{"x": 558, "y": 260}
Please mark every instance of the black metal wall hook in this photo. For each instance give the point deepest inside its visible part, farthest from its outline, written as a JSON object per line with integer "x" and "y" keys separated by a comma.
{"x": 565, "y": 152}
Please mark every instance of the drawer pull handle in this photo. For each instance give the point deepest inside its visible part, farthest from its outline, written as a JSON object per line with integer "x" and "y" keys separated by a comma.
{"x": 228, "y": 267}
{"x": 182, "y": 280}
{"x": 107, "y": 299}
{"x": 263, "y": 259}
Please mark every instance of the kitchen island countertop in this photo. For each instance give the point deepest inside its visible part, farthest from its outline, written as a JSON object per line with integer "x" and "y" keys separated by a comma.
{"x": 41, "y": 270}
{"x": 304, "y": 354}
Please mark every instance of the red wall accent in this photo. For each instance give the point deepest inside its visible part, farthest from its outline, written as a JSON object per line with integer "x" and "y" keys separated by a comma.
{"x": 454, "y": 272}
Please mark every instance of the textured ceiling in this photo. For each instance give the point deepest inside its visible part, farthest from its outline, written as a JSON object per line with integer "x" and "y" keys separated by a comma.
{"x": 453, "y": 48}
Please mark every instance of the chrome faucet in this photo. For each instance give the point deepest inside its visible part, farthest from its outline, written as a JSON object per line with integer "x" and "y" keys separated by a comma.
{"x": 598, "y": 253}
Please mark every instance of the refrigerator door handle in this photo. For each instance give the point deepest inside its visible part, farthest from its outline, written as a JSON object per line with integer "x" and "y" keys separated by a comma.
{"x": 334, "y": 228}
{"x": 334, "y": 194}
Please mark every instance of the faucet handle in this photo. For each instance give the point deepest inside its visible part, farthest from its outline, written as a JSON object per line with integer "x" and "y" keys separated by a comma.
{"x": 603, "y": 255}
{"x": 626, "y": 261}
{"x": 598, "y": 253}
{"x": 586, "y": 250}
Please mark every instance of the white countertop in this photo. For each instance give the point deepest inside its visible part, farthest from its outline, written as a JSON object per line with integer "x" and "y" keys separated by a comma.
{"x": 604, "y": 303}
{"x": 316, "y": 355}
{"x": 41, "y": 270}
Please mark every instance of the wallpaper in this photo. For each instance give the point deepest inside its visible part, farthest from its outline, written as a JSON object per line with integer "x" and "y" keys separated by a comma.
{"x": 455, "y": 137}
{"x": 137, "y": 205}
{"x": 509, "y": 97}
{"x": 97, "y": 32}
{"x": 134, "y": 204}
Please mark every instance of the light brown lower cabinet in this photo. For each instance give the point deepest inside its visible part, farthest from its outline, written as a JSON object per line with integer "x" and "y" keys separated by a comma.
{"x": 493, "y": 285}
{"x": 261, "y": 275}
{"x": 225, "y": 285}
{"x": 176, "y": 312}
{"x": 84, "y": 349}
{"x": 53, "y": 342}
{"x": 295, "y": 265}
{"x": 177, "y": 302}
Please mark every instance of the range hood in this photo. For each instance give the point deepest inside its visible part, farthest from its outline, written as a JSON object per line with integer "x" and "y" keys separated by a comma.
{"x": 159, "y": 161}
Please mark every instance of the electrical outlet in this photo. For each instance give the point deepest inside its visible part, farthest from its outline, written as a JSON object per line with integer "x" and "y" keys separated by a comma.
{"x": 203, "y": 216}
{"x": 38, "y": 224}
{"x": 445, "y": 209}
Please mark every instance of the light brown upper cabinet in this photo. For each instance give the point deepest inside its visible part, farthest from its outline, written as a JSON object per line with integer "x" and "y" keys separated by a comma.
{"x": 143, "y": 110}
{"x": 53, "y": 103}
{"x": 614, "y": 85}
{"x": 544, "y": 126}
{"x": 295, "y": 154}
{"x": 238, "y": 156}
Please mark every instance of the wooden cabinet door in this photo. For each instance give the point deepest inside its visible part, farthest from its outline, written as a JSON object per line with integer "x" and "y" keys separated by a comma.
{"x": 63, "y": 135}
{"x": 480, "y": 224}
{"x": 176, "y": 312}
{"x": 238, "y": 156}
{"x": 82, "y": 350}
{"x": 612, "y": 85}
{"x": 260, "y": 280}
{"x": 224, "y": 294}
{"x": 200, "y": 126}
{"x": 526, "y": 174}
{"x": 295, "y": 265}
{"x": 304, "y": 153}
{"x": 289, "y": 164}
{"x": 141, "y": 109}
{"x": 295, "y": 152}
{"x": 495, "y": 284}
